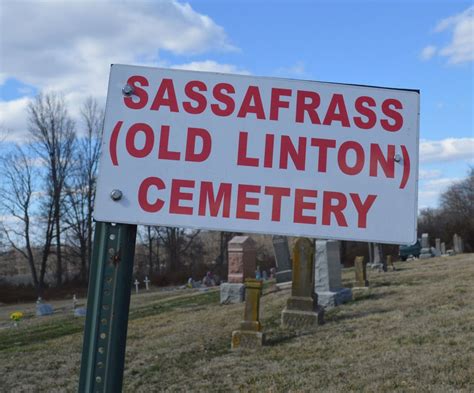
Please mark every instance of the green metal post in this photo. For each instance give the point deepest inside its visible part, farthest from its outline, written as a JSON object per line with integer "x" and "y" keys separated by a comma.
{"x": 108, "y": 302}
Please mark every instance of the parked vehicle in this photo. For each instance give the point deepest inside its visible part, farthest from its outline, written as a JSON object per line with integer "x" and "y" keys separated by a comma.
{"x": 411, "y": 250}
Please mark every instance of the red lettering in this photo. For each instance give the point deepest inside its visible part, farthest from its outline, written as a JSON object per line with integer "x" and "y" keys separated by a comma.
{"x": 288, "y": 149}
{"x": 336, "y": 209}
{"x": 277, "y": 194}
{"x": 362, "y": 208}
{"x": 394, "y": 115}
{"x": 309, "y": 107}
{"x": 215, "y": 202}
{"x": 135, "y": 81}
{"x": 166, "y": 88}
{"x": 163, "y": 151}
{"x": 242, "y": 158}
{"x": 143, "y": 194}
{"x": 191, "y": 154}
{"x": 337, "y": 103}
{"x": 301, "y": 205}
{"x": 323, "y": 145}
{"x": 252, "y": 95}
{"x": 365, "y": 111}
{"x": 276, "y": 103}
{"x": 177, "y": 196}
{"x": 387, "y": 163}
{"x": 243, "y": 201}
{"x": 200, "y": 99}
{"x": 342, "y": 158}
{"x": 225, "y": 99}
{"x": 130, "y": 140}
{"x": 269, "y": 147}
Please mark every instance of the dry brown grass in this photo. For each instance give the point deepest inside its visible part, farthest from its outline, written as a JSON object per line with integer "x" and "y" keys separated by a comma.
{"x": 413, "y": 332}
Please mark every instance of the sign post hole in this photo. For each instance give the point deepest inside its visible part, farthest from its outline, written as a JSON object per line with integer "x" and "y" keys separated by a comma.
{"x": 108, "y": 302}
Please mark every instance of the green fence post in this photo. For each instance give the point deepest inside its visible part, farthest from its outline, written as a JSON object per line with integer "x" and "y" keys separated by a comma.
{"x": 108, "y": 302}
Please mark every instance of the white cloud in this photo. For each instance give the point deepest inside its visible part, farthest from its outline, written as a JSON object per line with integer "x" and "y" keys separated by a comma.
{"x": 429, "y": 174}
{"x": 449, "y": 149}
{"x": 460, "y": 49}
{"x": 14, "y": 127}
{"x": 69, "y": 46}
{"x": 428, "y": 52}
{"x": 296, "y": 70}
{"x": 430, "y": 191}
{"x": 211, "y": 66}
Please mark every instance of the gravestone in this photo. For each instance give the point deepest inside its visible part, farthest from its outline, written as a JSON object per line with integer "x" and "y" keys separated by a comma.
{"x": 443, "y": 248}
{"x": 250, "y": 333}
{"x": 390, "y": 262}
{"x": 146, "y": 281}
{"x": 457, "y": 244}
{"x": 360, "y": 273}
{"x": 80, "y": 312}
{"x": 438, "y": 245}
{"x": 282, "y": 258}
{"x": 378, "y": 261}
{"x": 302, "y": 310}
{"x": 242, "y": 265}
{"x": 44, "y": 309}
{"x": 328, "y": 286}
{"x": 435, "y": 252}
{"x": 425, "y": 247}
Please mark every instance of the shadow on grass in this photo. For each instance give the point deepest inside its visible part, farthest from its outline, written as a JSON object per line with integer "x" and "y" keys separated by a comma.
{"x": 280, "y": 336}
{"x": 337, "y": 315}
{"x": 11, "y": 339}
{"x": 14, "y": 338}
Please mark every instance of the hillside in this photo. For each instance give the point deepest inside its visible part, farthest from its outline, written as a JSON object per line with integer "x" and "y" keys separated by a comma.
{"x": 413, "y": 332}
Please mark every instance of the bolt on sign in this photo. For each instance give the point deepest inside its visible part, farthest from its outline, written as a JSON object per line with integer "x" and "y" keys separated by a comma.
{"x": 263, "y": 155}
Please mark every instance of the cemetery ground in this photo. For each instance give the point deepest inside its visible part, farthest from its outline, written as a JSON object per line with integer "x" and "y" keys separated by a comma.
{"x": 413, "y": 331}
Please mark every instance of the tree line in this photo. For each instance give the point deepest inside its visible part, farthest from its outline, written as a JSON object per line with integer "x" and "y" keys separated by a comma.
{"x": 455, "y": 214}
{"x": 48, "y": 187}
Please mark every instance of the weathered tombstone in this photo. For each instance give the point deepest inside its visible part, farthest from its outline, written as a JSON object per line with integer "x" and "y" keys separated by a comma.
{"x": 136, "y": 283}
{"x": 146, "y": 281}
{"x": 455, "y": 243}
{"x": 80, "y": 312}
{"x": 242, "y": 265}
{"x": 282, "y": 258}
{"x": 458, "y": 244}
{"x": 435, "y": 252}
{"x": 250, "y": 333}
{"x": 327, "y": 278}
{"x": 44, "y": 309}
{"x": 390, "y": 262}
{"x": 360, "y": 273}
{"x": 443, "y": 248}
{"x": 425, "y": 247}
{"x": 438, "y": 245}
{"x": 302, "y": 308}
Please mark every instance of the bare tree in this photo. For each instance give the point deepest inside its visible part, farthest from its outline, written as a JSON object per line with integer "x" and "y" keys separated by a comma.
{"x": 18, "y": 190}
{"x": 53, "y": 136}
{"x": 457, "y": 209}
{"x": 176, "y": 242}
{"x": 80, "y": 187}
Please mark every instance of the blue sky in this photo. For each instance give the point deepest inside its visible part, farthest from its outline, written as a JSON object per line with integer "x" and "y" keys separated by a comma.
{"x": 426, "y": 45}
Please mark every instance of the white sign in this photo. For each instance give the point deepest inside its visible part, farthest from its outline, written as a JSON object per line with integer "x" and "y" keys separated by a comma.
{"x": 264, "y": 155}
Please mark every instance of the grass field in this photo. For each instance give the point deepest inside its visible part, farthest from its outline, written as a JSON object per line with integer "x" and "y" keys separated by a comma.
{"x": 414, "y": 331}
